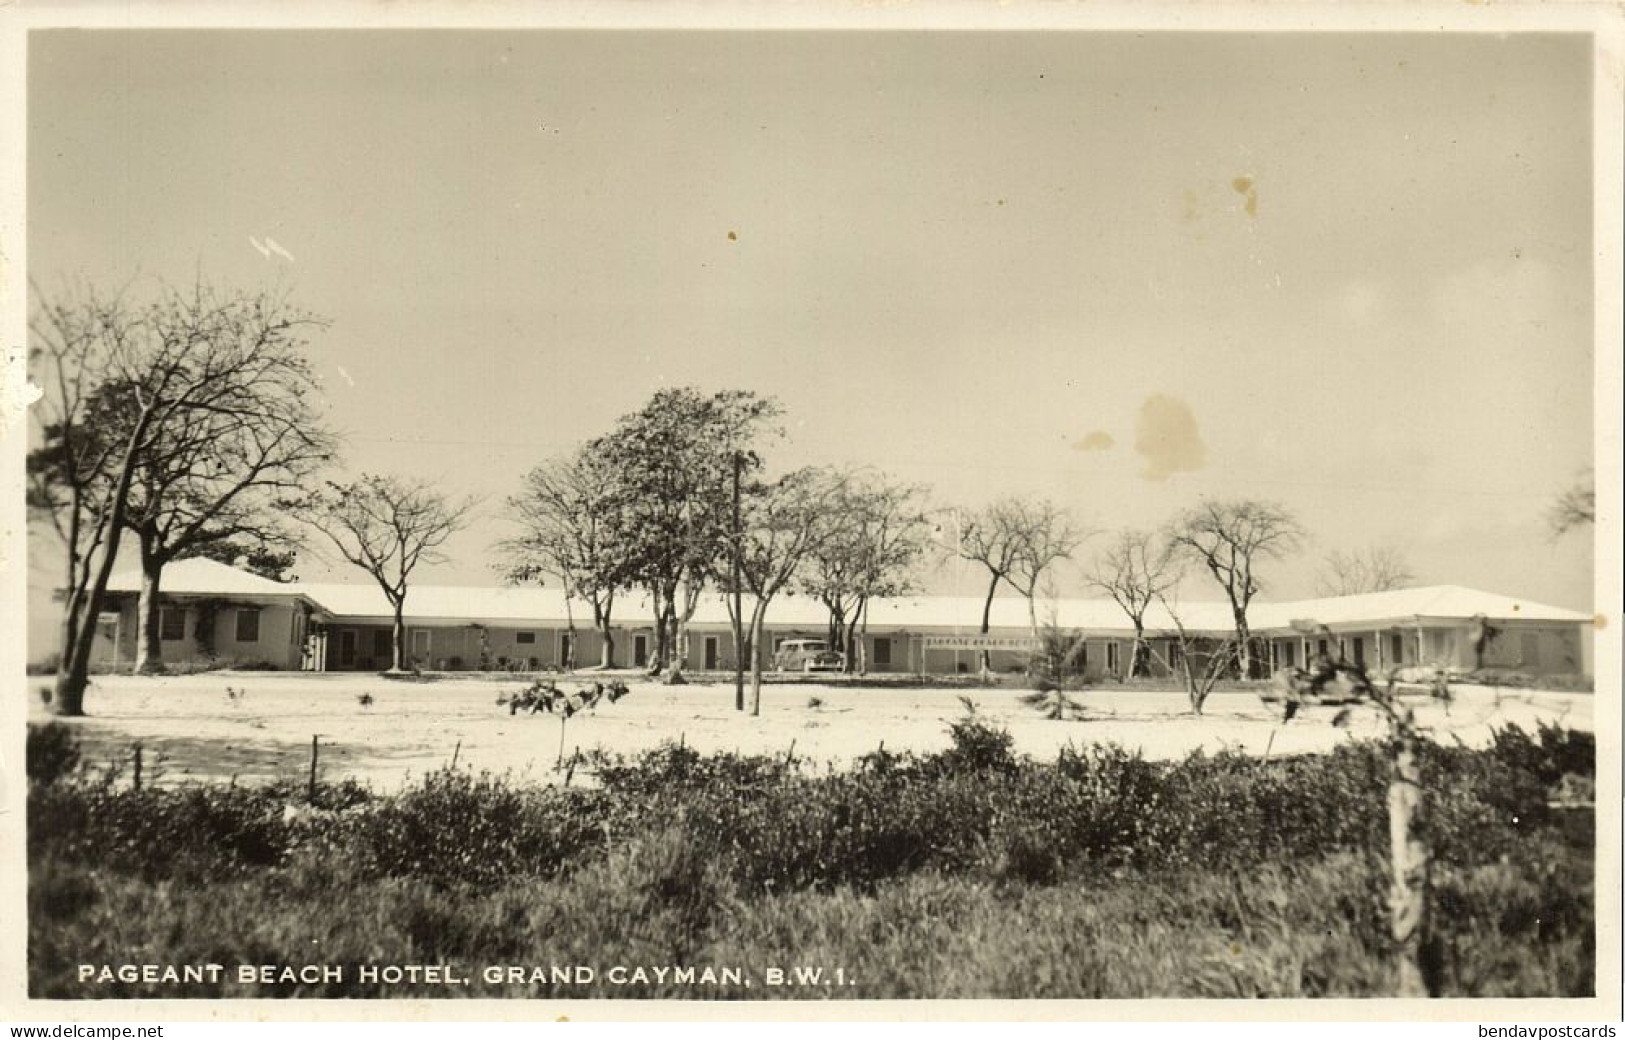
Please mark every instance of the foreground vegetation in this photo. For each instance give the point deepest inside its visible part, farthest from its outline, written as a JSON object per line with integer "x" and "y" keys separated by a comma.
{"x": 970, "y": 873}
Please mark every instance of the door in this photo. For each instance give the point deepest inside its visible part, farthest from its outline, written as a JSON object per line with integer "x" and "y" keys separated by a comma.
{"x": 640, "y": 651}
{"x": 347, "y": 648}
{"x": 710, "y": 653}
{"x": 420, "y": 647}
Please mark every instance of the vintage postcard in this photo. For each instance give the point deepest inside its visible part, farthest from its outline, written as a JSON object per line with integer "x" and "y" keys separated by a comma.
{"x": 829, "y": 512}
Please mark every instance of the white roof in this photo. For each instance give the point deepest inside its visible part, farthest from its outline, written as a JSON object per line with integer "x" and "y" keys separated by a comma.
{"x": 198, "y": 577}
{"x": 546, "y": 605}
{"x": 1429, "y": 601}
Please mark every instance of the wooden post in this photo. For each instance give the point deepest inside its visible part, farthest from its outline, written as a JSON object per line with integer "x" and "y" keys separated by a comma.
{"x": 454, "y": 753}
{"x": 1409, "y": 854}
{"x": 315, "y": 754}
{"x": 137, "y": 778}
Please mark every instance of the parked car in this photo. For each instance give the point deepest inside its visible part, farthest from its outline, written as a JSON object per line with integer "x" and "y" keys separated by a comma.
{"x": 807, "y": 655}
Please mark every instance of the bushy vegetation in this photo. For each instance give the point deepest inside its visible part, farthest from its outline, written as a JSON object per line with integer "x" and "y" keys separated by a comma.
{"x": 973, "y": 872}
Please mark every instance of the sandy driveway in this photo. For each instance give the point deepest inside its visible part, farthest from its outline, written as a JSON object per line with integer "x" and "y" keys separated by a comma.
{"x": 191, "y": 728}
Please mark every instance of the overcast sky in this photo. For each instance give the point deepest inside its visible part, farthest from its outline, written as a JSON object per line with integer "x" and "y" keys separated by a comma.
{"x": 1347, "y": 273}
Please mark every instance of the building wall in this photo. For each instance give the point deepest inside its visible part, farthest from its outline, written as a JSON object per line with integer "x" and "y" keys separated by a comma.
{"x": 278, "y": 645}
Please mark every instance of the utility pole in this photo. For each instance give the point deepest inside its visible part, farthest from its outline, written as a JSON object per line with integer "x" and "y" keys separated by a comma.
{"x": 739, "y": 603}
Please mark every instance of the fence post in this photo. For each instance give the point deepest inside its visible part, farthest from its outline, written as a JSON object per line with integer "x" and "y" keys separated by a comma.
{"x": 310, "y": 791}
{"x": 138, "y": 767}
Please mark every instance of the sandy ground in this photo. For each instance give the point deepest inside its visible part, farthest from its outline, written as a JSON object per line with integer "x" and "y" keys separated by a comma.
{"x": 191, "y": 729}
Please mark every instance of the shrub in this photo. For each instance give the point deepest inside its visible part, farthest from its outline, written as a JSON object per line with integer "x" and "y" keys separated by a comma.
{"x": 52, "y": 752}
{"x": 979, "y": 747}
{"x": 676, "y": 767}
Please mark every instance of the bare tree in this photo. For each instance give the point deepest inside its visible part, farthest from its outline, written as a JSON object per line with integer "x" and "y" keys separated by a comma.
{"x": 387, "y": 526}
{"x": 1016, "y": 540}
{"x": 785, "y": 522}
{"x": 1375, "y": 569}
{"x": 1199, "y": 661}
{"x": 562, "y": 516}
{"x": 123, "y": 385}
{"x": 1230, "y": 539}
{"x": 1135, "y": 569}
{"x": 1046, "y": 535}
{"x": 1576, "y": 507}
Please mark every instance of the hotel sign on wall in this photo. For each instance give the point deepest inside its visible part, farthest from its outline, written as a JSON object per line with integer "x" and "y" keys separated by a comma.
{"x": 979, "y": 643}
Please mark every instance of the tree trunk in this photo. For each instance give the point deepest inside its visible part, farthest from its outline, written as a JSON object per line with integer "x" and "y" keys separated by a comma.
{"x": 852, "y": 643}
{"x": 149, "y": 658}
{"x": 755, "y": 661}
{"x": 398, "y": 639}
{"x": 987, "y": 617}
{"x": 863, "y": 636}
{"x": 73, "y": 673}
{"x": 1411, "y": 863}
{"x": 606, "y": 641}
{"x": 1244, "y": 645}
{"x": 679, "y": 647}
{"x": 1139, "y": 656}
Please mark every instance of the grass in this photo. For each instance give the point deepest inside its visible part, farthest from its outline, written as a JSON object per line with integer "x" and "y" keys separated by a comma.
{"x": 970, "y": 873}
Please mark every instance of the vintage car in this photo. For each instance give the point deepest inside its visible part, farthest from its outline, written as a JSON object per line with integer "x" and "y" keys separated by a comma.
{"x": 807, "y": 655}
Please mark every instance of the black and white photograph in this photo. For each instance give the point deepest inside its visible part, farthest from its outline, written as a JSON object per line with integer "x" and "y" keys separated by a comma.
{"x": 696, "y": 510}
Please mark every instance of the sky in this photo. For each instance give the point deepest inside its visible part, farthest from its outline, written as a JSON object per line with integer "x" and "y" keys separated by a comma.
{"x": 1347, "y": 273}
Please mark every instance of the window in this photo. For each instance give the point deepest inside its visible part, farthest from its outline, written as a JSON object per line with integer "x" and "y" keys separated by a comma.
{"x": 1111, "y": 657}
{"x": 882, "y": 651}
{"x": 248, "y": 625}
{"x": 171, "y": 623}
{"x": 524, "y": 637}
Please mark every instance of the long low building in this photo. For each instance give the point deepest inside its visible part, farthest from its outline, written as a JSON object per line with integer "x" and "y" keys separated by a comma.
{"x": 211, "y": 613}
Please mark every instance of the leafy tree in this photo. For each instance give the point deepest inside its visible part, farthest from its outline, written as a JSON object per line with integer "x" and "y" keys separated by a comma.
{"x": 874, "y": 553}
{"x": 387, "y": 526}
{"x": 566, "y": 532}
{"x": 671, "y": 504}
{"x": 1231, "y": 538}
{"x": 785, "y": 522}
{"x": 257, "y": 556}
{"x": 1135, "y": 569}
